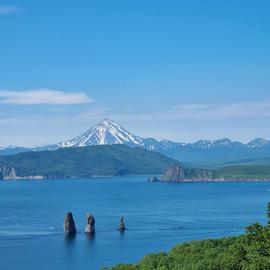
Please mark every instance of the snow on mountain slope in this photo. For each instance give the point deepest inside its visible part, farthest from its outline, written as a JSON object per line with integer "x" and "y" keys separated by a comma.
{"x": 110, "y": 132}
{"x": 13, "y": 149}
{"x": 154, "y": 145}
{"x": 105, "y": 132}
{"x": 221, "y": 143}
{"x": 259, "y": 142}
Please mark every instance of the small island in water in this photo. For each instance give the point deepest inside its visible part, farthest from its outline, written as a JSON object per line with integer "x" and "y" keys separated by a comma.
{"x": 177, "y": 173}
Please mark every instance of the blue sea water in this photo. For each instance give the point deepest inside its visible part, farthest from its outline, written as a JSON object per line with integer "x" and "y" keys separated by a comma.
{"x": 157, "y": 215}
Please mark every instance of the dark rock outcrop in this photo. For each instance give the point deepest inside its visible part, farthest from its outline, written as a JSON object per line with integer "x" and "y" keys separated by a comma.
{"x": 174, "y": 174}
{"x": 177, "y": 173}
{"x": 90, "y": 226}
{"x": 122, "y": 226}
{"x": 153, "y": 179}
{"x": 69, "y": 224}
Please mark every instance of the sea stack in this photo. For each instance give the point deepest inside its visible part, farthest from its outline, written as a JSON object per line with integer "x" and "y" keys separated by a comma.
{"x": 122, "y": 225}
{"x": 153, "y": 179}
{"x": 90, "y": 226}
{"x": 174, "y": 174}
{"x": 69, "y": 224}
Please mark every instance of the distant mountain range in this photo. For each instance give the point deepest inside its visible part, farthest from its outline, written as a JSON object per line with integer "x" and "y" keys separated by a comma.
{"x": 116, "y": 160}
{"x": 203, "y": 152}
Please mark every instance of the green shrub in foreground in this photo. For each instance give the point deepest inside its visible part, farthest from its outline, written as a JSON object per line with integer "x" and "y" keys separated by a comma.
{"x": 250, "y": 251}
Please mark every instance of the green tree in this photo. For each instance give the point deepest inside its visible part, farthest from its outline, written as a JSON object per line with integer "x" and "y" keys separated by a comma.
{"x": 250, "y": 251}
{"x": 268, "y": 213}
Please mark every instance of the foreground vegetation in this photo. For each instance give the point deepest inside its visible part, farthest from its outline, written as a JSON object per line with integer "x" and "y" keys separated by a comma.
{"x": 248, "y": 251}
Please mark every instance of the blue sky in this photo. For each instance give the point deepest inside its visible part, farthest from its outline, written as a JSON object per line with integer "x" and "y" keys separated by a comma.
{"x": 181, "y": 70}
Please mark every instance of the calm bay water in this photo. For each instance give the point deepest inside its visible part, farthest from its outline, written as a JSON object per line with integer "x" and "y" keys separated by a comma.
{"x": 158, "y": 216}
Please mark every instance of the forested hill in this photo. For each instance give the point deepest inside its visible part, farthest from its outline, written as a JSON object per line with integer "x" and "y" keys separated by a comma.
{"x": 102, "y": 160}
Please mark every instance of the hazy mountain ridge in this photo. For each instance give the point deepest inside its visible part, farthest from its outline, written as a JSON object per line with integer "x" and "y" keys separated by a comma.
{"x": 202, "y": 152}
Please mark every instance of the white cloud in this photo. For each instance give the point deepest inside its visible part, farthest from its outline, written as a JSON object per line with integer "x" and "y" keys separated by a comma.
{"x": 4, "y": 9}
{"x": 22, "y": 121}
{"x": 205, "y": 112}
{"x": 43, "y": 96}
{"x": 241, "y": 121}
{"x": 221, "y": 111}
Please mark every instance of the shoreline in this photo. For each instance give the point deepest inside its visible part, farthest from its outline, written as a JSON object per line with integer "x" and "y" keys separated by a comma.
{"x": 40, "y": 177}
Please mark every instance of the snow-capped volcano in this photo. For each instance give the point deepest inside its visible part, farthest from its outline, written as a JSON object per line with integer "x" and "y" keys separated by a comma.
{"x": 203, "y": 152}
{"x": 105, "y": 132}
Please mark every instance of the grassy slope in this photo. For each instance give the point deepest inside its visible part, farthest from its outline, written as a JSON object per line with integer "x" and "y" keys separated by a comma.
{"x": 250, "y": 161}
{"x": 244, "y": 172}
{"x": 239, "y": 162}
